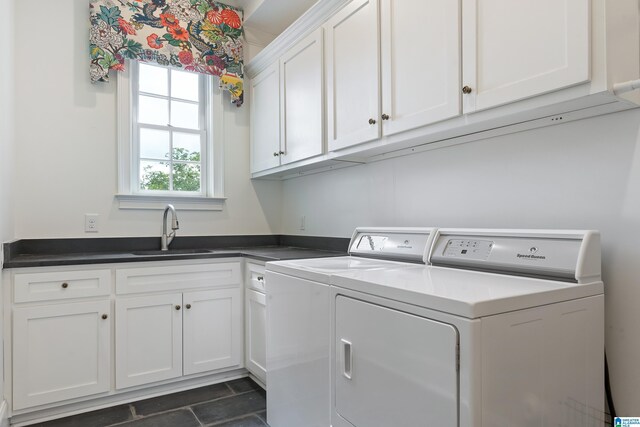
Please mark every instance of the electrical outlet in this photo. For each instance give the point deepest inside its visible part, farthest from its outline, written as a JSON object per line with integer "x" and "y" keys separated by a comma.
{"x": 303, "y": 220}
{"x": 90, "y": 223}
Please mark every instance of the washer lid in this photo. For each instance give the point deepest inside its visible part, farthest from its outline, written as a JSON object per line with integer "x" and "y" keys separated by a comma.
{"x": 321, "y": 269}
{"x": 470, "y": 294}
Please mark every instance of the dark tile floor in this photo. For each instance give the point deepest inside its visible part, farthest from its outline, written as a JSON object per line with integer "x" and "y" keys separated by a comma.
{"x": 237, "y": 403}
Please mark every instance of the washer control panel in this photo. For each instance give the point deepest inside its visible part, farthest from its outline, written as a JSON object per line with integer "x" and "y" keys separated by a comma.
{"x": 468, "y": 249}
{"x": 402, "y": 244}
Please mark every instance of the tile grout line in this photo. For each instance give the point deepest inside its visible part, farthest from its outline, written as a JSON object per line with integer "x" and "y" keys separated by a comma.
{"x": 194, "y": 415}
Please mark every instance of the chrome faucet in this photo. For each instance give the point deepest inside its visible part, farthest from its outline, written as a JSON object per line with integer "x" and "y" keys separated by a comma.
{"x": 165, "y": 240}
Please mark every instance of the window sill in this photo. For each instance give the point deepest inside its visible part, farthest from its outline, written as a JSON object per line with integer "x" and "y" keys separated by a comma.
{"x": 183, "y": 203}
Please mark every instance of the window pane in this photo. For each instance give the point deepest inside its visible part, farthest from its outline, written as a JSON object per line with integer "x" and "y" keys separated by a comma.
{"x": 154, "y": 144}
{"x": 154, "y": 175}
{"x": 153, "y": 79}
{"x": 184, "y": 115}
{"x": 153, "y": 111}
{"x": 185, "y": 85}
{"x": 186, "y": 146}
{"x": 186, "y": 176}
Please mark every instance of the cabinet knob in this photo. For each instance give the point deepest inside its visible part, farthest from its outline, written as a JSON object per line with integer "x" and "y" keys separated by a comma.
{"x": 260, "y": 278}
{"x": 372, "y": 121}
{"x": 385, "y": 117}
{"x": 65, "y": 285}
{"x": 188, "y": 306}
{"x": 177, "y": 307}
{"x": 466, "y": 90}
{"x": 275, "y": 154}
{"x": 104, "y": 317}
{"x": 281, "y": 153}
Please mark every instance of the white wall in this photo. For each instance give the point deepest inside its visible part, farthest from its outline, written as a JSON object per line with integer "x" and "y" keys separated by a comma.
{"x": 6, "y": 120}
{"x": 584, "y": 174}
{"x": 6, "y": 149}
{"x": 66, "y": 143}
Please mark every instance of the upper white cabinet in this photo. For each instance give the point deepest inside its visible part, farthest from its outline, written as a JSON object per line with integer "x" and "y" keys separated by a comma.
{"x": 302, "y": 100}
{"x": 420, "y": 62}
{"x": 401, "y": 75}
{"x": 265, "y": 119}
{"x": 352, "y": 70}
{"x": 287, "y": 107}
{"x": 518, "y": 49}
{"x": 419, "y": 59}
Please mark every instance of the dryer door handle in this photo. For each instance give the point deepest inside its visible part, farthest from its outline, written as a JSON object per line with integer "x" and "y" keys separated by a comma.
{"x": 347, "y": 359}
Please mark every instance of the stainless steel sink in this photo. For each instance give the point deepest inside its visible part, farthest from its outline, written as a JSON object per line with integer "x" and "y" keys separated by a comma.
{"x": 171, "y": 252}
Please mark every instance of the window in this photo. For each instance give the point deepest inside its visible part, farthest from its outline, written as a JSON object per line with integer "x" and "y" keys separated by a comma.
{"x": 167, "y": 130}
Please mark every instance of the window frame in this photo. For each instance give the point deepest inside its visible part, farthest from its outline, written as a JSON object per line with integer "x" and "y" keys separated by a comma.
{"x": 129, "y": 194}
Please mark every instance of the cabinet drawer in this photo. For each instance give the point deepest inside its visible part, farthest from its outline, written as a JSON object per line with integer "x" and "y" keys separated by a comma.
{"x": 177, "y": 277}
{"x": 254, "y": 276}
{"x": 28, "y": 287}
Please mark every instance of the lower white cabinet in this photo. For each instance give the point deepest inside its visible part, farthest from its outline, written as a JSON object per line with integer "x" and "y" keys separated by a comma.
{"x": 255, "y": 321}
{"x": 160, "y": 337}
{"x": 148, "y": 339}
{"x": 60, "y": 352}
{"x": 78, "y": 336}
{"x": 212, "y": 330}
{"x": 255, "y": 304}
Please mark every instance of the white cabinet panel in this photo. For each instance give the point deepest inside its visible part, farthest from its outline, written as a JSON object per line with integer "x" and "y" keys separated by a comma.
{"x": 212, "y": 330}
{"x": 177, "y": 277}
{"x": 385, "y": 378}
{"x": 254, "y": 276}
{"x": 148, "y": 339}
{"x": 60, "y": 352}
{"x": 517, "y": 49}
{"x": 420, "y": 45}
{"x": 255, "y": 333}
{"x": 265, "y": 119}
{"x": 301, "y": 99}
{"x": 352, "y": 72}
{"x": 52, "y": 285}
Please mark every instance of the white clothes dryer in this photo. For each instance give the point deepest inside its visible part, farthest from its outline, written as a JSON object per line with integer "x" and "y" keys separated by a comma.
{"x": 506, "y": 328}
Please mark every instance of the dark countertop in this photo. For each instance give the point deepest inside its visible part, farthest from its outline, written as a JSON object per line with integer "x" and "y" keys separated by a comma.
{"x": 56, "y": 252}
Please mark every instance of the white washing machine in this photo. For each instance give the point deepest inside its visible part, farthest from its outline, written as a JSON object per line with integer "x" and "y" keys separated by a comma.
{"x": 299, "y": 320}
{"x": 506, "y": 328}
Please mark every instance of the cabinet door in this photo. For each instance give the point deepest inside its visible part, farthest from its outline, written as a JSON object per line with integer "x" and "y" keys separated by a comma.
{"x": 148, "y": 339}
{"x": 60, "y": 352}
{"x": 352, "y": 71}
{"x": 393, "y": 368}
{"x": 255, "y": 308}
{"x": 518, "y": 49}
{"x": 420, "y": 45}
{"x": 212, "y": 330}
{"x": 301, "y": 94}
{"x": 265, "y": 119}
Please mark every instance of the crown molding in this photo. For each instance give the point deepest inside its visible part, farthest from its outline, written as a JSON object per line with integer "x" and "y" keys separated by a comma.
{"x": 303, "y": 26}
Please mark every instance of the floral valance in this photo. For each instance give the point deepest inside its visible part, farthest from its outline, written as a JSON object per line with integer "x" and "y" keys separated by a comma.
{"x": 202, "y": 36}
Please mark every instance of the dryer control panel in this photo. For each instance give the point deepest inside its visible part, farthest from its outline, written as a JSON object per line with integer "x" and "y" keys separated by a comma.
{"x": 468, "y": 249}
{"x": 561, "y": 255}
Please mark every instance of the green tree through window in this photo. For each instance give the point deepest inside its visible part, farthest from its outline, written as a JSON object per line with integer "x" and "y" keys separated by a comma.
{"x": 186, "y": 172}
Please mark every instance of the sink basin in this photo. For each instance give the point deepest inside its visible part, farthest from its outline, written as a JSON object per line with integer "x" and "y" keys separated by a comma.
{"x": 171, "y": 252}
